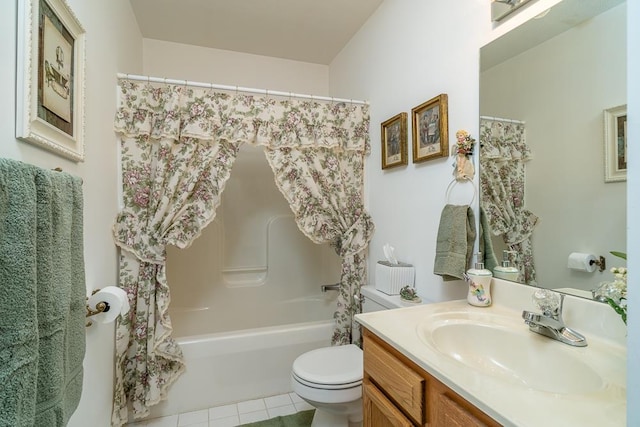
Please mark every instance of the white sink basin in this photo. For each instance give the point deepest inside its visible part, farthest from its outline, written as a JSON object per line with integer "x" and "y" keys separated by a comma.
{"x": 510, "y": 352}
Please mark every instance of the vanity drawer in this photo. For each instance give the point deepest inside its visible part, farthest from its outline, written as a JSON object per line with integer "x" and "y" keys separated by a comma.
{"x": 401, "y": 384}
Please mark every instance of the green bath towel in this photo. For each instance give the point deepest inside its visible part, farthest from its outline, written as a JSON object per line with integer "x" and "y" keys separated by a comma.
{"x": 454, "y": 246}
{"x": 42, "y": 295}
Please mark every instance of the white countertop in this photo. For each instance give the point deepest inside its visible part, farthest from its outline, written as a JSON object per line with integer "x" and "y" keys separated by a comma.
{"x": 510, "y": 403}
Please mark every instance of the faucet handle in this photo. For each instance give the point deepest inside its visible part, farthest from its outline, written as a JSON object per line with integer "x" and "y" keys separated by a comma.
{"x": 549, "y": 302}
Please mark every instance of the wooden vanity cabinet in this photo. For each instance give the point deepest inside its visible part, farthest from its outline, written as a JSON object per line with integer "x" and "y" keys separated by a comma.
{"x": 398, "y": 393}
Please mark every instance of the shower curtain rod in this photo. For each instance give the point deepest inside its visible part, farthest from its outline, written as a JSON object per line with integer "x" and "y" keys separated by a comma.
{"x": 498, "y": 119}
{"x": 236, "y": 88}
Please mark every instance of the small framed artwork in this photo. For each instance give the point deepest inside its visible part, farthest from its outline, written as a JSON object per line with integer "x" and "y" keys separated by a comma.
{"x": 394, "y": 141}
{"x": 615, "y": 144}
{"x": 430, "y": 129}
{"x": 50, "y": 77}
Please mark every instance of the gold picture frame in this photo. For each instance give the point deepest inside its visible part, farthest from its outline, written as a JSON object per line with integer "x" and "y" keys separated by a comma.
{"x": 50, "y": 77}
{"x": 615, "y": 144}
{"x": 430, "y": 129}
{"x": 394, "y": 141}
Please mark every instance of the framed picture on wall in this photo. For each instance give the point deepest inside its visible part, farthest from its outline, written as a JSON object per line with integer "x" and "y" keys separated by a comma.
{"x": 615, "y": 144}
{"x": 394, "y": 141}
{"x": 50, "y": 77}
{"x": 430, "y": 129}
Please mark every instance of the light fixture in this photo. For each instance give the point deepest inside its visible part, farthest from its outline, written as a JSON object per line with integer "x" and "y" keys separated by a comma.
{"x": 542, "y": 14}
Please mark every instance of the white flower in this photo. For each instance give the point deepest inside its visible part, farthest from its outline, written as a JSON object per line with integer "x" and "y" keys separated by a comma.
{"x": 615, "y": 293}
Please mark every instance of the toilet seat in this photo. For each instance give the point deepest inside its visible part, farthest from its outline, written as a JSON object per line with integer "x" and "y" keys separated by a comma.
{"x": 330, "y": 368}
{"x": 326, "y": 386}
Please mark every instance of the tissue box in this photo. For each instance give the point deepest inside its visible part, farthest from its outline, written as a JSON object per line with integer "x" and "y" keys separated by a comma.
{"x": 390, "y": 278}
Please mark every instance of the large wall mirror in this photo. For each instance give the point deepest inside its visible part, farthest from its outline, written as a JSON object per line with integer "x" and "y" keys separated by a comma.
{"x": 552, "y": 78}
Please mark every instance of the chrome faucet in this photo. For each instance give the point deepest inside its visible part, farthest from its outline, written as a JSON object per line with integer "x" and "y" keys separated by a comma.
{"x": 550, "y": 323}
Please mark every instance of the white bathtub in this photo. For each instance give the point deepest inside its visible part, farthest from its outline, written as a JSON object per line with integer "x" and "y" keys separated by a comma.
{"x": 235, "y": 366}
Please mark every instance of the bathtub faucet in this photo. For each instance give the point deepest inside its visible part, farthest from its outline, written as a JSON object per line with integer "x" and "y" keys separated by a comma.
{"x": 334, "y": 287}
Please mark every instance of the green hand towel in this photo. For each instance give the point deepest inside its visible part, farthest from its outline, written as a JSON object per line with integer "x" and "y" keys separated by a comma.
{"x": 42, "y": 295}
{"x": 454, "y": 246}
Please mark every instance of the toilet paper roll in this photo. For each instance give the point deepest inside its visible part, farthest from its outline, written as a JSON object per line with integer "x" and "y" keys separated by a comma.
{"x": 117, "y": 300}
{"x": 582, "y": 262}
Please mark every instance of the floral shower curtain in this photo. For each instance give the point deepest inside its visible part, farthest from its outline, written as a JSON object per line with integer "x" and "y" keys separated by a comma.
{"x": 324, "y": 189}
{"x": 503, "y": 154}
{"x": 178, "y": 146}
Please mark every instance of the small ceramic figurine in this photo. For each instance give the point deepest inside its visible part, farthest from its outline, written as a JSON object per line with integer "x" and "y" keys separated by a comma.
{"x": 408, "y": 294}
{"x": 464, "y": 148}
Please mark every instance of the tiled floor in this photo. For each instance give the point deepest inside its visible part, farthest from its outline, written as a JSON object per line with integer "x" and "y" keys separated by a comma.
{"x": 234, "y": 414}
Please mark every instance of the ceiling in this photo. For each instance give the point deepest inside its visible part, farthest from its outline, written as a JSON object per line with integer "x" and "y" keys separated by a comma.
{"x": 302, "y": 30}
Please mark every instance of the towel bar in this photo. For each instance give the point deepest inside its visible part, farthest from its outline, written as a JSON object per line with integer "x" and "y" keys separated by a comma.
{"x": 59, "y": 169}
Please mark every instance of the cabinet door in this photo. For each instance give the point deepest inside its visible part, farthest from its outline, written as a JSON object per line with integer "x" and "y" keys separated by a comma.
{"x": 379, "y": 411}
{"x": 402, "y": 384}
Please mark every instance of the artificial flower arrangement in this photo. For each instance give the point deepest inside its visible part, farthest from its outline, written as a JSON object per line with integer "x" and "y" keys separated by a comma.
{"x": 464, "y": 148}
{"x": 615, "y": 293}
{"x": 465, "y": 143}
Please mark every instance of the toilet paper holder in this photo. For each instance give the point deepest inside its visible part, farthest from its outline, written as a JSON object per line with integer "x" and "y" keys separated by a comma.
{"x": 101, "y": 307}
{"x": 106, "y": 305}
{"x": 600, "y": 262}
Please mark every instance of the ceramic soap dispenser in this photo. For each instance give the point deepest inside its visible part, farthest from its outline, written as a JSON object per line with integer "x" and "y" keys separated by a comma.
{"x": 506, "y": 271}
{"x": 479, "y": 281}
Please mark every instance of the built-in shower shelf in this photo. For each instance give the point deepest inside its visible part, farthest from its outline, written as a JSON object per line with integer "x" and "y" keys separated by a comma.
{"x": 244, "y": 276}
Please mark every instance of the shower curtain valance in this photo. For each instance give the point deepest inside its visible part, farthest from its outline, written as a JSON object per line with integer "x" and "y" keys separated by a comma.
{"x": 178, "y": 146}
{"x": 176, "y": 112}
{"x": 504, "y": 141}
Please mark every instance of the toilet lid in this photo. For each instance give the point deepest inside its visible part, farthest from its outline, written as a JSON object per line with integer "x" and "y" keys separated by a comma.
{"x": 330, "y": 365}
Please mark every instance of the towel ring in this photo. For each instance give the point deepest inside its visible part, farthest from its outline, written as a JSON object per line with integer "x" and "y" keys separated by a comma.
{"x": 453, "y": 184}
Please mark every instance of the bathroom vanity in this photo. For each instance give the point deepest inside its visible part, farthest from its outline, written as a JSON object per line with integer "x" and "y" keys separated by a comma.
{"x": 414, "y": 396}
{"x": 451, "y": 363}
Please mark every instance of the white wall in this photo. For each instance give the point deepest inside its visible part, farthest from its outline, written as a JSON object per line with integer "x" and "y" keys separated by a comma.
{"x": 559, "y": 88}
{"x": 186, "y": 62}
{"x": 113, "y": 43}
{"x": 407, "y": 53}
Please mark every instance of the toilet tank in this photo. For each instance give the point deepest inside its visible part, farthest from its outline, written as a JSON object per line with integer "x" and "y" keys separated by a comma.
{"x": 374, "y": 300}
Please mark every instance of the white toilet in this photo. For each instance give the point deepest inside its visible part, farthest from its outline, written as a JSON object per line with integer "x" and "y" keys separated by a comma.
{"x": 330, "y": 378}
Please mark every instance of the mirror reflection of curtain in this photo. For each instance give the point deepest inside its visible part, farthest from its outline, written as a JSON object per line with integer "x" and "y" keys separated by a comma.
{"x": 178, "y": 148}
{"x": 503, "y": 154}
